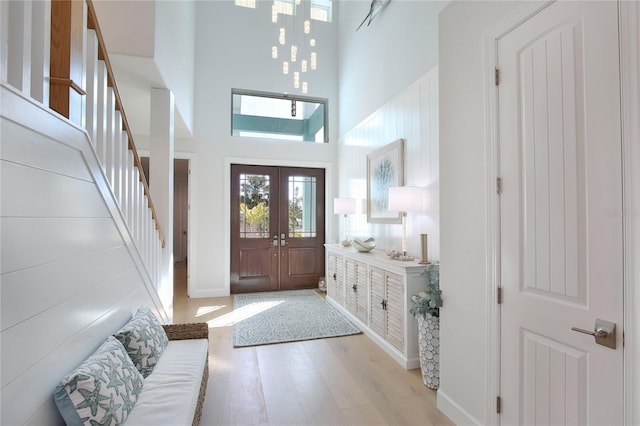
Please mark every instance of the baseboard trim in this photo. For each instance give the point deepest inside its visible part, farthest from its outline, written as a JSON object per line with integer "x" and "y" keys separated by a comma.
{"x": 454, "y": 411}
{"x": 198, "y": 294}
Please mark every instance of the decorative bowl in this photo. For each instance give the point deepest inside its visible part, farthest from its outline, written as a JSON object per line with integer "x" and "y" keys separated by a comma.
{"x": 364, "y": 245}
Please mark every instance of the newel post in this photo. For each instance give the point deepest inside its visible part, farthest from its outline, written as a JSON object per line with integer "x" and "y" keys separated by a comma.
{"x": 67, "y": 79}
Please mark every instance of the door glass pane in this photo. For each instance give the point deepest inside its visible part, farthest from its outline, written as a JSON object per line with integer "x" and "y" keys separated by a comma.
{"x": 302, "y": 206}
{"x": 254, "y": 206}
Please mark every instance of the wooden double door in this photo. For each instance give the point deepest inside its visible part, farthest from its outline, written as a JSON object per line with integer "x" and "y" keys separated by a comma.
{"x": 277, "y": 227}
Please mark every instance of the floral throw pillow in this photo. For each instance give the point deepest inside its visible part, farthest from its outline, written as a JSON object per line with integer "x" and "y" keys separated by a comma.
{"x": 144, "y": 340}
{"x": 102, "y": 390}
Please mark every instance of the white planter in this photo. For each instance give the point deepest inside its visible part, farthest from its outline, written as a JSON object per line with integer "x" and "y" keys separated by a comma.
{"x": 429, "y": 350}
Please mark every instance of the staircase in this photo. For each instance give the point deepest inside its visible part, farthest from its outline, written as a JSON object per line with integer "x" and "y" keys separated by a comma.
{"x": 81, "y": 245}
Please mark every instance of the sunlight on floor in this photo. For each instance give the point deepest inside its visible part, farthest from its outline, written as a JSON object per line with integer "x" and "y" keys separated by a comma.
{"x": 204, "y": 310}
{"x": 242, "y": 313}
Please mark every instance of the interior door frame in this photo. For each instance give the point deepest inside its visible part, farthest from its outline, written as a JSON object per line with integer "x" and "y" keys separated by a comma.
{"x": 629, "y": 32}
{"x": 328, "y": 169}
{"x": 629, "y": 20}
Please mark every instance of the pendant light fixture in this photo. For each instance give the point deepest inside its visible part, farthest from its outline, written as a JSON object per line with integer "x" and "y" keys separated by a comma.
{"x": 293, "y": 20}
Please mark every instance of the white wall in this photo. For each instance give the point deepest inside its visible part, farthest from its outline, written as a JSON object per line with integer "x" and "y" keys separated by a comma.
{"x": 70, "y": 273}
{"x": 175, "y": 52}
{"x": 380, "y": 61}
{"x": 127, "y": 26}
{"x": 151, "y": 44}
{"x": 413, "y": 116}
{"x": 463, "y": 208}
{"x": 234, "y": 51}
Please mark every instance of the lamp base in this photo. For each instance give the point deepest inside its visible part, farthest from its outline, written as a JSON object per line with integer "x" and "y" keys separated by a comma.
{"x": 345, "y": 243}
{"x": 424, "y": 262}
{"x": 405, "y": 258}
{"x": 398, "y": 255}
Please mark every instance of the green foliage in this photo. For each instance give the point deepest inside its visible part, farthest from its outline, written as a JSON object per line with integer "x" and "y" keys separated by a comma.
{"x": 428, "y": 301}
{"x": 254, "y": 190}
{"x": 256, "y": 217}
{"x": 295, "y": 213}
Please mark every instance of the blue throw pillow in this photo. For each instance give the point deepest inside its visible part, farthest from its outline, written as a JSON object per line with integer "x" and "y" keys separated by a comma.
{"x": 102, "y": 390}
{"x": 144, "y": 340}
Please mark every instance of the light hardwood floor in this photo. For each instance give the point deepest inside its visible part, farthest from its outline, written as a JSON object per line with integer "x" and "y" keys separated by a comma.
{"x": 337, "y": 381}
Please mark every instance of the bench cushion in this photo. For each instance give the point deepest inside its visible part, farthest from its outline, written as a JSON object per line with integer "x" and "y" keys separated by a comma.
{"x": 170, "y": 393}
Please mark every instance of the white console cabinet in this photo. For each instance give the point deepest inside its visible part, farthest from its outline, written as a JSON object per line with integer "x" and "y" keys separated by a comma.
{"x": 375, "y": 293}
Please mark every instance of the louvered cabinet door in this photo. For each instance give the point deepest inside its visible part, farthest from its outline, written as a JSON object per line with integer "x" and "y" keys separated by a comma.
{"x": 335, "y": 279}
{"x": 340, "y": 279}
{"x": 377, "y": 318}
{"x": 395, "y": 310}
{"x": 362, "y": 307}
{"x": 351, "y": 287}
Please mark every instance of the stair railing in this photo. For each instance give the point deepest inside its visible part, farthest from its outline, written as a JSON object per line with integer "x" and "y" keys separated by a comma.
{"x": 56, "y": 55}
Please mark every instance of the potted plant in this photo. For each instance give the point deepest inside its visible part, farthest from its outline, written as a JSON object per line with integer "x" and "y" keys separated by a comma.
{"x": 426, "y": 308}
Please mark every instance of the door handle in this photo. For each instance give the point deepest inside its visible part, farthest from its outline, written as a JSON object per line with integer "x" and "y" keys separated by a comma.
{"x": 604, "y": 333}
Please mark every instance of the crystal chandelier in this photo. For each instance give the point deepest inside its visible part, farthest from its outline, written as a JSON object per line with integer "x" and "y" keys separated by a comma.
{"x": 295, "y": 41}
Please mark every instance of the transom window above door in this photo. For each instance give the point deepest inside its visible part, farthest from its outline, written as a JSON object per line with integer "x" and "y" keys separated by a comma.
{"x": 276, "y": 116}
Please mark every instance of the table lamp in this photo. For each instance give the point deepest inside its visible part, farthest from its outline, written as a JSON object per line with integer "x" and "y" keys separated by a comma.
{"x": 344, "y": 206}
{"x": 404, "y": 199}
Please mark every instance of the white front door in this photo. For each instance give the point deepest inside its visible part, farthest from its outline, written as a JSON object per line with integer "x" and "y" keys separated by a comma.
{"x": 561, "y": 240}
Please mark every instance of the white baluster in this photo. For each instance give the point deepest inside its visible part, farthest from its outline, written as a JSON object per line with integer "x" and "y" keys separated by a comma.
{"x": 135, "y": 228}
{"x": 131, "y": 190}
{"x": 92, "y": 86}
{"x": 4, "y": 39}
{"x": 19, "y": 48}
{"x": 40, "y": 50}
{"x": 142, "y": 205}
{"x": 156, "y": 259}
{"x": 124, "y": 160}
{"x": 145, "y": 243}
{"x": 110, "y": 140}
{"x": 101, "y": 120}
{"x": 117, "y": 155}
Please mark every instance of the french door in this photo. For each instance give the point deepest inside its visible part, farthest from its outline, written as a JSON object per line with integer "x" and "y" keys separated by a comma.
{"x": 277, "y": 228}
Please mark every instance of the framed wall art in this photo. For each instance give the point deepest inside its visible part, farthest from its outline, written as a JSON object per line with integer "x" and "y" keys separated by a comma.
{"x": 384, "y": 170}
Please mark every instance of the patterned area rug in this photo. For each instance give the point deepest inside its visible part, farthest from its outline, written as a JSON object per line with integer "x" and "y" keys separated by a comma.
{"x": 286, "y": 316}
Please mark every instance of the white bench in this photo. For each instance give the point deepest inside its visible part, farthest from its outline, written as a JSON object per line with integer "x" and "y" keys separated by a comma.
{"x": 110, "y": 384}
{"x": 174, "y": 393}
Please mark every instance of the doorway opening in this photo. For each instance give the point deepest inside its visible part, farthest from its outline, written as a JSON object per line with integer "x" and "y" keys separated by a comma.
{"x": 180, "y": 210}
{"x": 181, "y": 173}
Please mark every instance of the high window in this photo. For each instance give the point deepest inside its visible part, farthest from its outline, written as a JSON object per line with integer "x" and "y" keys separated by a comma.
{"x": 275, "y": 116}
{"x": 320, "y": 9}
{"x": 246, "y": 3}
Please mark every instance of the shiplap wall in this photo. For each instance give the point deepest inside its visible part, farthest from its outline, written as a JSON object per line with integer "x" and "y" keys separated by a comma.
{"x": 70, "y": 275}
{"x": 412, "y": 116}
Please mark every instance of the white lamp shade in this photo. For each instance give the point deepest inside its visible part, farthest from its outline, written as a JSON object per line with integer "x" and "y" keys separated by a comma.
{"x": 407, "y": 199}
{"x": 344, "y": 205}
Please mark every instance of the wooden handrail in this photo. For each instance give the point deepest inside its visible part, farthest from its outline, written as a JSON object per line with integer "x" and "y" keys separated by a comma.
{"x": 66, "y": 70}
{"x": 92, "y": 23}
